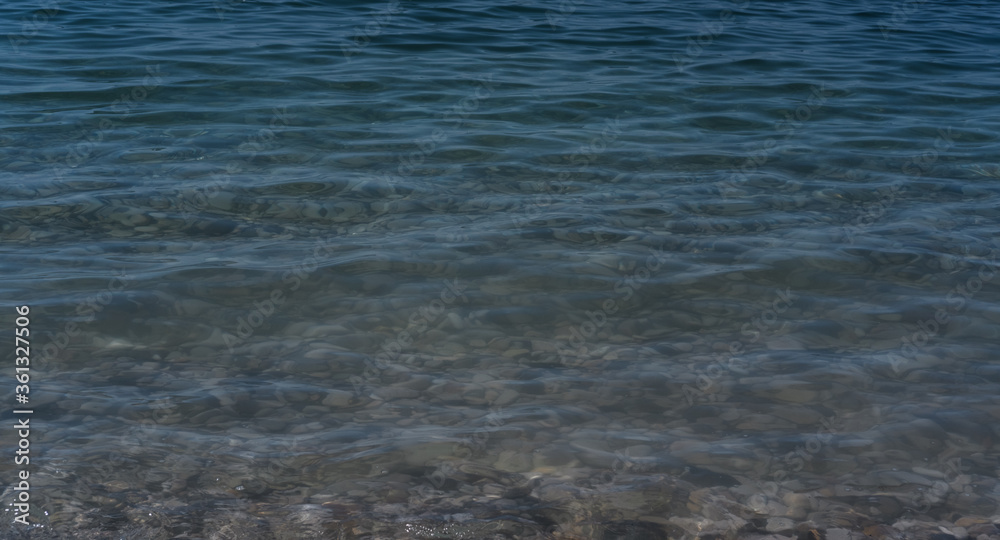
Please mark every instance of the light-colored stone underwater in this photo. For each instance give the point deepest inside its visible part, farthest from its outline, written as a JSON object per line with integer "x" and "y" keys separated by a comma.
{"x": 514, "y": 271}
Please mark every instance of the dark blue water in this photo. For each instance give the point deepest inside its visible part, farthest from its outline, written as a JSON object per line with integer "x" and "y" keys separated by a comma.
{"x": 569, "y": 270}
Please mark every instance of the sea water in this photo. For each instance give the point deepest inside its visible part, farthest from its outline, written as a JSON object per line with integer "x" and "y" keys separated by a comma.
{"x": 529, "y": 269}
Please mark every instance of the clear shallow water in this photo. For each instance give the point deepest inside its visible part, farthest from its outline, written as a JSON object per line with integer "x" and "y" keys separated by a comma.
{"x": 453, "y": 270}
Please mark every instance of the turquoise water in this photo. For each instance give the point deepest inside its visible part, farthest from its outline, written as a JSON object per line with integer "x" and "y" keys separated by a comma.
{"x": 524, "y": 270}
